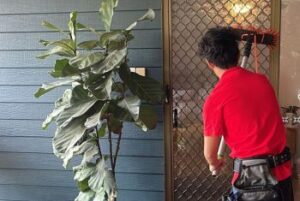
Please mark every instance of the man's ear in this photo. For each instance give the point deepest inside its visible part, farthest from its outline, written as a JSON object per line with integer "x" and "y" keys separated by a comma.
{"x": 210, "y": 65}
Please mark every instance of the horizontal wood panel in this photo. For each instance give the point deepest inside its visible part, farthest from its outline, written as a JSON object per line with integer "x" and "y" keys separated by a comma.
{"x": 23, "y": 77}
{"x": 28, "y": 169}
{"x": 35, "y": 111}
{"x": 30, "y": 41}
{"x": 12, "y": 200}
{"x": 32, "y": 23}
{"x": 46, "y": 6}
{"x": 38, "y": 161}
{"x": 24, "y": 94}
{"x": 30, "y": 128}
{"x": 65, "y": 179}
{"x": 16, "y": 59}
{"x": 38, "y": 193}
{"x": 129, "y": 147}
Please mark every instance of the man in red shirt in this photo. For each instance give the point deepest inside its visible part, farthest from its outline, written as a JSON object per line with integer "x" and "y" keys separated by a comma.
{"x": 243, "y": 108}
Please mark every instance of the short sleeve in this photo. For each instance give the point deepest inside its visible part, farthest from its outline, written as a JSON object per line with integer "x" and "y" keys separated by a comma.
{"x": 212, "y": 114}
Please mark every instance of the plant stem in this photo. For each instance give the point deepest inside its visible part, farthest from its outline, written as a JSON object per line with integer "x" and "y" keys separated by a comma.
{"x": 117, "y": 149}
{"x": 98, "y": 144}
{"x": 111, "y": 152}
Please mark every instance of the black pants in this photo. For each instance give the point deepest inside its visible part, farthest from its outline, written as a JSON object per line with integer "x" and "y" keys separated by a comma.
{"x": 286, "y": 189}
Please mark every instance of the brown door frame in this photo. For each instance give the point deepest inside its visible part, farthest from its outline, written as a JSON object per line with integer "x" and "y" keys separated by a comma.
{"x": 275, "y": 54}
{"x": 168, "y": 137}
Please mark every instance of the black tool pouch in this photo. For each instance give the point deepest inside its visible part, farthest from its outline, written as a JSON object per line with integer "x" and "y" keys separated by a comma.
{"x": 255, "y": 181}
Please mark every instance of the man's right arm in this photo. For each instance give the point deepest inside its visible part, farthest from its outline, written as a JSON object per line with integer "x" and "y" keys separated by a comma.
{"x": 211, "y": 144}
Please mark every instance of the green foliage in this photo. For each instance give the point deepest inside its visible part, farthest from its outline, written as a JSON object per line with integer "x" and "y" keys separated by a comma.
{"x": 106, "y": 11}
{"x": 102, "y": 95}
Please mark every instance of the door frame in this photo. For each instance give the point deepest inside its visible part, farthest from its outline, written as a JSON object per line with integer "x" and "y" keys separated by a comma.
{"x": 168, "y": 137}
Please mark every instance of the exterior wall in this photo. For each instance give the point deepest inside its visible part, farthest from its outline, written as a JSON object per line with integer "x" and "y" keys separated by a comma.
{"x": 290, "y": 53}
{"x": 289, "y": 86}
{"x": 28, "y": 169}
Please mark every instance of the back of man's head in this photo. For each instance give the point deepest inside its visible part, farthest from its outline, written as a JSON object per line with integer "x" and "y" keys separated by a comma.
{"x": 219, "y": 46}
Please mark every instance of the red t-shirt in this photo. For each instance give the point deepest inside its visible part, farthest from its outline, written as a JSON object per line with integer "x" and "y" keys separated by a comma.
{"x": 243, "y": 108}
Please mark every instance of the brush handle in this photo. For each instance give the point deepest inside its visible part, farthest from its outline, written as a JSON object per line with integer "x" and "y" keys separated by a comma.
{"x": 244, "y": 65}
{"x": 244, "y": 61}
{"x": 221, "y": 151}
{"x": 248, "y": 46}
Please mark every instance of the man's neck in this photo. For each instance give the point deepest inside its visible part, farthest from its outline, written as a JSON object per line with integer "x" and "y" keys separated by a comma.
{"x": 219, "y": 72}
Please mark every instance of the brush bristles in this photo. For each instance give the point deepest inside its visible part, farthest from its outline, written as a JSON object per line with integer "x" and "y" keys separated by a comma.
{"x": 266, "y": 37}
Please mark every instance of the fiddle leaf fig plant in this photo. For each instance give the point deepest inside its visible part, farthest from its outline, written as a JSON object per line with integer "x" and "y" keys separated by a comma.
{"x": 102, "y": 94}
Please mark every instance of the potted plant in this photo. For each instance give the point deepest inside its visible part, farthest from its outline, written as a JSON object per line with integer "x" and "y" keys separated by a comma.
{"x": 103, "y": 94}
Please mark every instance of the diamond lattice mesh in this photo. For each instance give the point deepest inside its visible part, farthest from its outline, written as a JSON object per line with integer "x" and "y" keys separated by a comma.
{"x": 192, "y": 81}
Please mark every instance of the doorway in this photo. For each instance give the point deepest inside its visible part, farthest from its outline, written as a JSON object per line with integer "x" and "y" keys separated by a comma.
{"x": 189, "y": 82}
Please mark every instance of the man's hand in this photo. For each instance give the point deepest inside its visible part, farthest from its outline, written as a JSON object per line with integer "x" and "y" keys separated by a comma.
{"x": 210, "y": 153}
{"x": 217, "y": 168}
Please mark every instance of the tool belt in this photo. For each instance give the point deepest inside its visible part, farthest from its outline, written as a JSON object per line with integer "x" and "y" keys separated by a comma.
{"x": 255, "y": 180}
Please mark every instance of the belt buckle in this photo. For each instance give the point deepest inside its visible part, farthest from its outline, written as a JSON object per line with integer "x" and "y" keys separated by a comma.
{"x": 274, "y": 159}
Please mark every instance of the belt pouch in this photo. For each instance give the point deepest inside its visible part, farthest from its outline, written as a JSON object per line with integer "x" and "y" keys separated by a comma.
{"x": 256, "y": 181}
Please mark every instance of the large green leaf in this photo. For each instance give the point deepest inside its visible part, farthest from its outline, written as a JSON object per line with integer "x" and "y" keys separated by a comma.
{"x": 101, "y": 196}
{"x": 86, "y": 196}
{"x": 76, "y": 108}
{"x": 102, "y": 178}
{"x": 48, "y": 87}
{"x": 95, "y": 120}
{"x": 144, "y": 87}
{"x": 83, "y": 186}
{"x": 63, "y": 69}
{"x": 88, "y": 45}
{"x": 109, "y": 185}
{"x": 58, "y": 51}
{"x": 72, "y": 25}
{"x": 66, "y": 44}
{"x": 147, "y": 118}
{"x": 52, "y": 27}
{"x": 100, "y": 85}
{"x": 102, "y": 130}
{"x": 80, "y": 94}
{"x": 97, "y": 178}
{"x": 88, "y": 149}
{"x": 66, "y": 137}
{"x": 84, "y": 61}
{"x": 115, "y": 125}
{"x": 81, "y": 27}
{"x": 149, "y": 15}
{"x": 112, "y": 61}
{"x": 60, "y": 105}
{"x": 132, "y": 105}
{"x": 118, "y": 112}
{"x": 115, "y": 40}
{"x": 119, "y": 87}
{"x": 84, "y": 171}
{"x": 71, "y": 127}
{"x": 107, "y": 11}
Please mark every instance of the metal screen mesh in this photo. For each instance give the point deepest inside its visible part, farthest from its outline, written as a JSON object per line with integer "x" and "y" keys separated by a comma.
{"x": 192, "y": 81}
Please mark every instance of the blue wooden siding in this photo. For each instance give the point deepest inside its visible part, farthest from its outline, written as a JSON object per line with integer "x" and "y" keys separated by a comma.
{"x": 28, "y": 169}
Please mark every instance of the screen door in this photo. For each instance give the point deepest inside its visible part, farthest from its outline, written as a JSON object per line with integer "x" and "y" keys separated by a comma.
{"x": 191, "y": 81}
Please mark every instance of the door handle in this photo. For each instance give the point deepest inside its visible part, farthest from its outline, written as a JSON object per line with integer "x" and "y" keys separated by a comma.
{"x": 175, "y": 118}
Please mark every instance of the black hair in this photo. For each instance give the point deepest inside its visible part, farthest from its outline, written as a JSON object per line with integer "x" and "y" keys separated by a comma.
{"x": 219, "y": 46}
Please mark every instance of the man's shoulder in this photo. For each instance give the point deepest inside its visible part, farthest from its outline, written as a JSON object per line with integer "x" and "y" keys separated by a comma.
{"x": 212, "y": 99}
